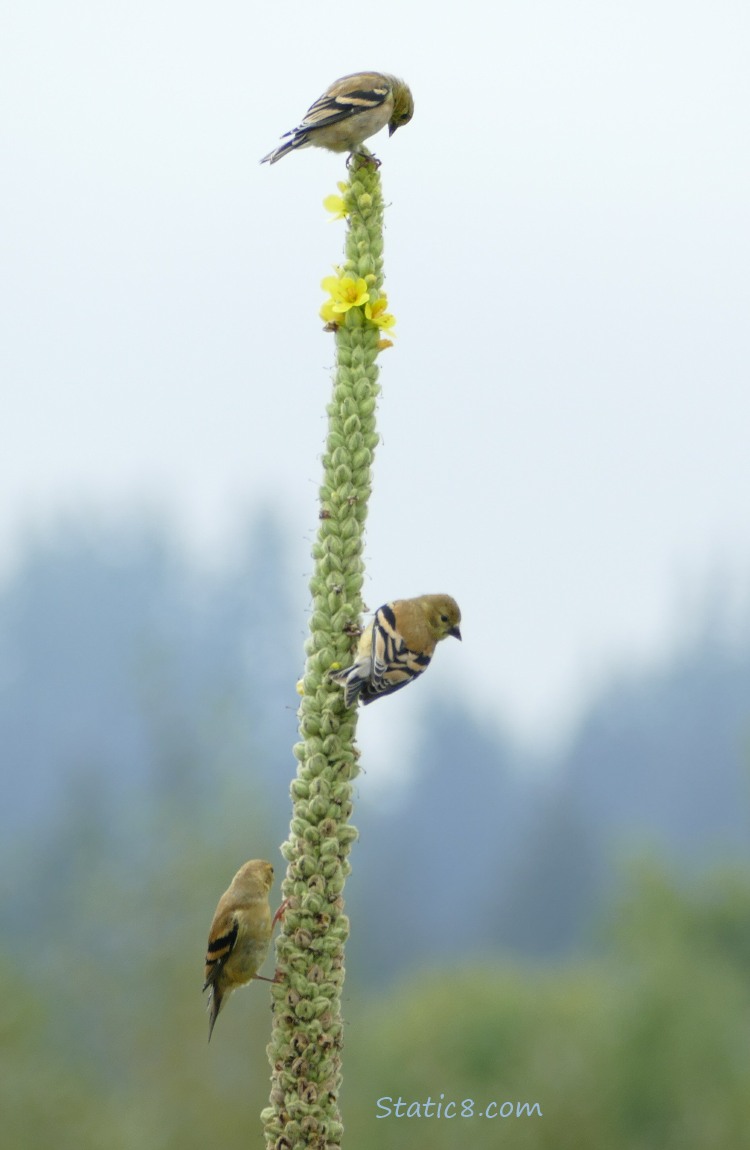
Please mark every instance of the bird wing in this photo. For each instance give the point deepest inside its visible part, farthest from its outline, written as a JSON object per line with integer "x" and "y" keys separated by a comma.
{"x": 386, "y": 643}
{"x": 345, "y": 98}
{"x": 393, "y": 663}
{"x": 220, "y": 946}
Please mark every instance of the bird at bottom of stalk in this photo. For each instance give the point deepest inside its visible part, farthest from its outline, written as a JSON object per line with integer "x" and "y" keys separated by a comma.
{"x": 240, "y": 935}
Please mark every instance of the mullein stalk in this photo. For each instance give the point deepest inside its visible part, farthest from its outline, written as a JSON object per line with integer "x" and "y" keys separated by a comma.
{"x": 307, "y": 1032}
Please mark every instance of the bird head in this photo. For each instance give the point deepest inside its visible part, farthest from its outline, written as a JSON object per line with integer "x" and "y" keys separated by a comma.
{"x": 255, "y": 878}
{"x": 403, "y": 106}
{"x": 443, "y": 615}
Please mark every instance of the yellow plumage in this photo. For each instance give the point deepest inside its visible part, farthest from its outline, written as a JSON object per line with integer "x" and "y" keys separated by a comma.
{"x": 348, "y": 113}
{"x": 239, "y": 936}
{"x": 398, "y": 645}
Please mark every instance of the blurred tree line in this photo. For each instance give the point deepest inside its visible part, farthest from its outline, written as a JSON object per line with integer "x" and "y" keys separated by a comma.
{"x": 502, "y": 948}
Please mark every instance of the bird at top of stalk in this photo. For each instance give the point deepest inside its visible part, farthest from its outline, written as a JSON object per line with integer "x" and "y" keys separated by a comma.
{"x": 350, "y": 111}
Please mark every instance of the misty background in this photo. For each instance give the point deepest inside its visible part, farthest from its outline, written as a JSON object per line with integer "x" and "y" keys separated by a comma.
{"x": 551, "y": 880}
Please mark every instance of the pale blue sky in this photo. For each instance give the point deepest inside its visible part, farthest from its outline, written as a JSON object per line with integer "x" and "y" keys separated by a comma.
{"x": 565, "y": 414}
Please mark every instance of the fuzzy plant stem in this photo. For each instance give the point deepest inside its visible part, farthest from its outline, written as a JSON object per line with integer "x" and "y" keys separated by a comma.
{"x": 307, "y": 1033}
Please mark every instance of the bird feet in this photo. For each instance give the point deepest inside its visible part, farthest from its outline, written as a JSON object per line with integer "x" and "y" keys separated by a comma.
{"x": 280, "y": 913}
{"x": 364, "y": 157}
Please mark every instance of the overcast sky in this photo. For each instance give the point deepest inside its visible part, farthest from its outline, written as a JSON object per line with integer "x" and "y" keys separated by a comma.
{"x": 566, "y": 411}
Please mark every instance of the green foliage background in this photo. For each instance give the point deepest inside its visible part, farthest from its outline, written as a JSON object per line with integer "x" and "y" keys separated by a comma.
{"x": 146, "y": 755}
{"x": 645, "y": 1043}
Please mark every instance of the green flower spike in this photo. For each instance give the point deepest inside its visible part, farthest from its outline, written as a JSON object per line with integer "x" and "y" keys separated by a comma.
{"x": 307, "y": 1034}
{"x": 358, "y": 284}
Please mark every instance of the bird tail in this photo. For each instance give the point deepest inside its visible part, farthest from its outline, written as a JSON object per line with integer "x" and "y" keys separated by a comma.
{"x": 290, "y": 143}
{"x": 352, "y": 681}
{"x": 215, "y": 1002}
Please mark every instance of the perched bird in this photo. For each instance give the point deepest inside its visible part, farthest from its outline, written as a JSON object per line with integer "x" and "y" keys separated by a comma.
{"x": 398, "y": 645}
{"x": 239, "y": 936}
{"x": 349, "y": 112}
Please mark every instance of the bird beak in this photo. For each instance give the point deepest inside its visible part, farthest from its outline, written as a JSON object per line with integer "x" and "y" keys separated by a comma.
{"x": 455, "y": 632}
{"x": 392, "y": 129}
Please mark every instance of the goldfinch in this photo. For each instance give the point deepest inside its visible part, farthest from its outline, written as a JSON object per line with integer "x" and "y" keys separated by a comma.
{"x": 239, "y": 936}
{"x": 349, "y": 112}
{"x": 398, "y": 645}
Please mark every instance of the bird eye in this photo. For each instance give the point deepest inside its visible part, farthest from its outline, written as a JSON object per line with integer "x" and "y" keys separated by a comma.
{"x": 443, "y": 618}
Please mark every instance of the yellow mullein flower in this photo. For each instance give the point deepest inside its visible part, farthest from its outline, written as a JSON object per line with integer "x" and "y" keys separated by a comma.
{"x": 337, "y": 204}
{"x": 345, "y": 292}
{"x": 376, "y": 313}
{"x": 332, "y": 318}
